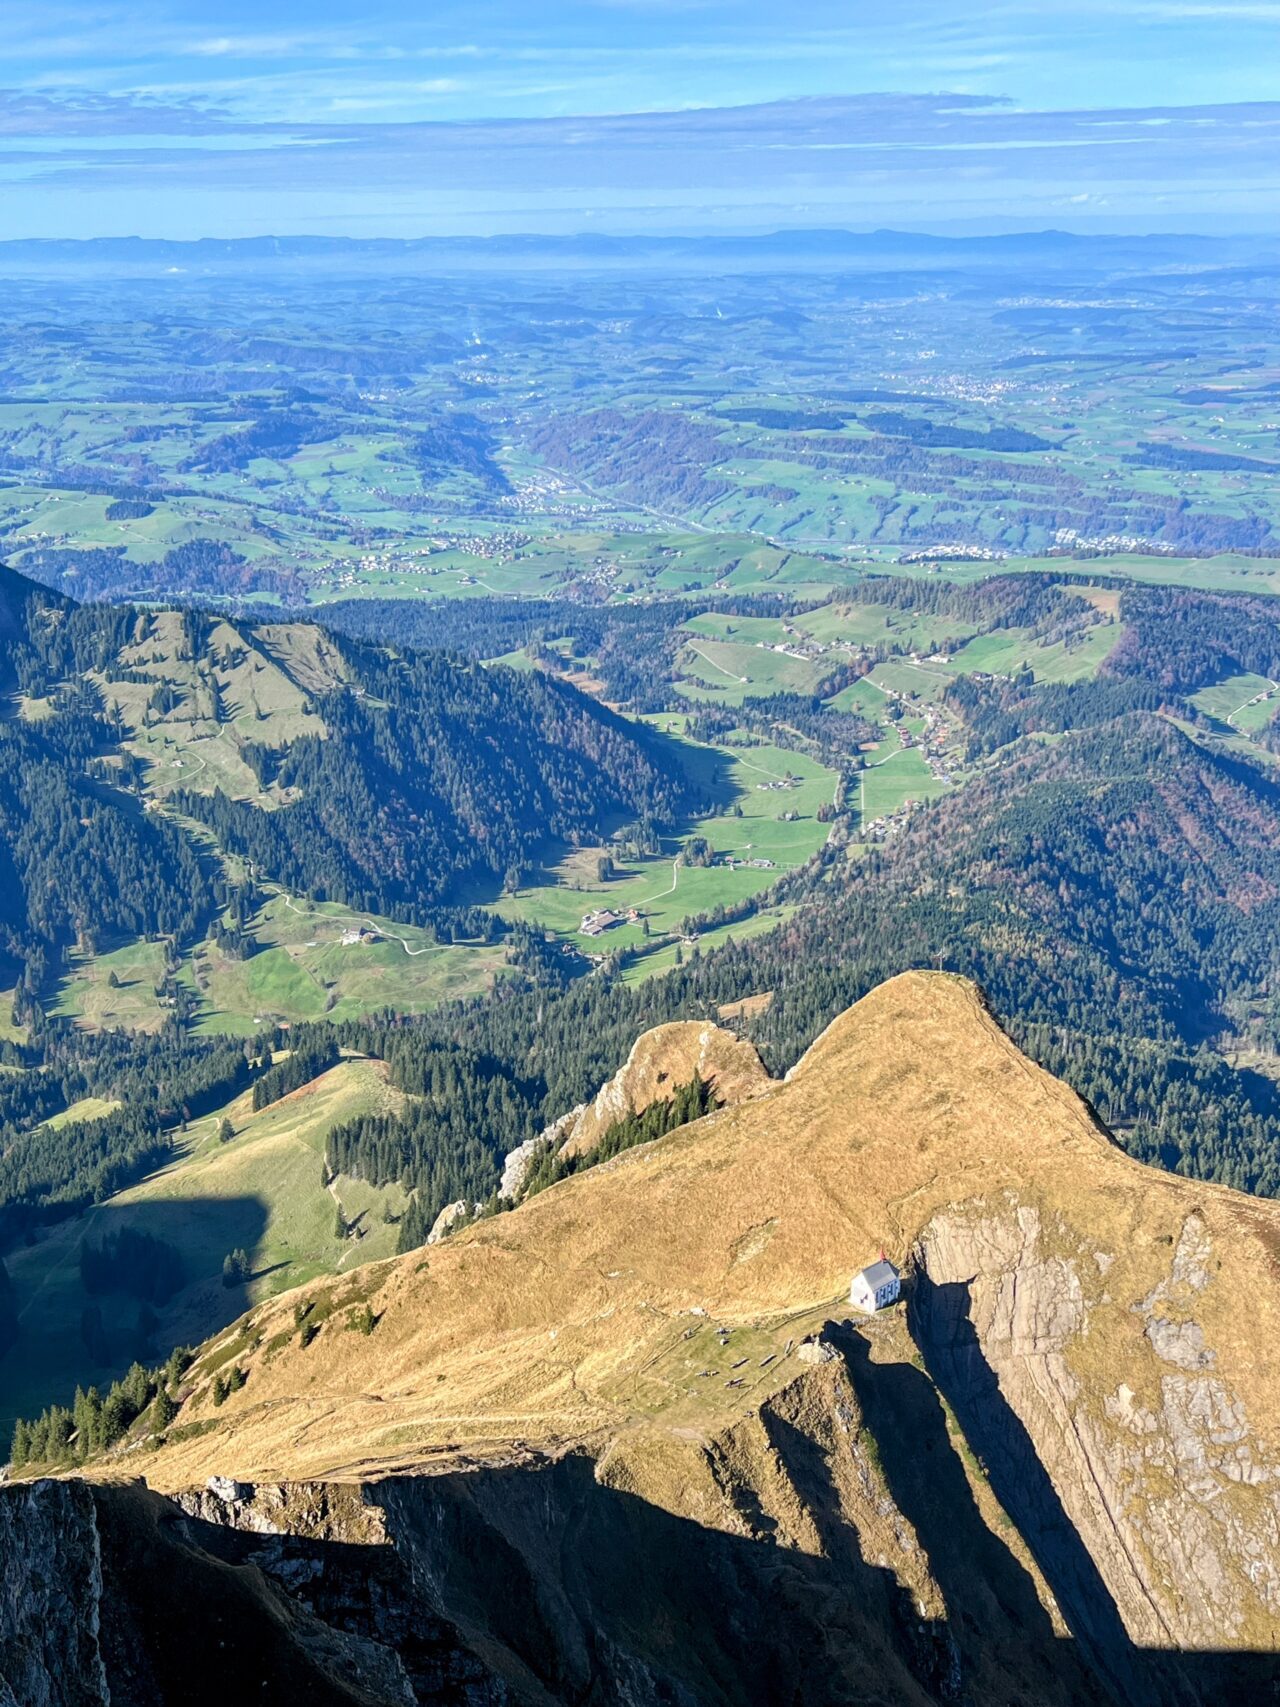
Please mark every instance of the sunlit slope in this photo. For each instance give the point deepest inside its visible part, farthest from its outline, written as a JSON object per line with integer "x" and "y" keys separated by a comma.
{"x": 912, "y": 1125}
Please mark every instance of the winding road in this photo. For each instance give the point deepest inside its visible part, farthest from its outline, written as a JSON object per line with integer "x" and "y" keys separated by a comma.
{"x": 710, "y": 660}
{"x": 1253, "y": 699}
{"x": 345, "y": 918}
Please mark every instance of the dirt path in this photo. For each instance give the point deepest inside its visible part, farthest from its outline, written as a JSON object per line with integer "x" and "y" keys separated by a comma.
{"x": 752, "y": 766}
{"x": 675, "y": 878}
{"x": 348, "y": 919}
{"x": 1254, "y": 699}
{"x": 727, "y": 673}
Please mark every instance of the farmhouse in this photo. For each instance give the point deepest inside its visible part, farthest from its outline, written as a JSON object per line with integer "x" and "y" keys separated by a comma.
{"x": 875, "y": 1287}
{"x": 603, "y": 919}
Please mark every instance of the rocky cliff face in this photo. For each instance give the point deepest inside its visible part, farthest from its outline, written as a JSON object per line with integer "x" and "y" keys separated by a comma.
{"x": 660, "y": 1062}
{"x": 1152, "y": 1504}
{"x": 581, "y": 1458}
{"x": 783, "y": 1572}
{"x": 50, "y": 1597}
{"x": 114, "y": 1597}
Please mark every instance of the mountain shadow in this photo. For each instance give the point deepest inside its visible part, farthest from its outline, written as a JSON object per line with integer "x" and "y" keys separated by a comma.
{"x": 515, "y": 1586}
{"x": 157, "y": 1283}
{"x": 996, "y": 1619}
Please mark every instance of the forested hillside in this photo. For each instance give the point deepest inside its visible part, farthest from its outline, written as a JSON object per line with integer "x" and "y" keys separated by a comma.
{"x": 1117, "y": 896}
{"x": 433, "y": 774}
{"x": 1110, "y": 877}
{"x": 405, "y": 784}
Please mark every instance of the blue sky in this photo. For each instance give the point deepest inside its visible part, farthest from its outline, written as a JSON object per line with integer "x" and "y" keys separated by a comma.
{"x": 194, "y": 118}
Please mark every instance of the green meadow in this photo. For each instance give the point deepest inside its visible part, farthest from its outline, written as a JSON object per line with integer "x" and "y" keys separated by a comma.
{"x": 262, "y": 1191}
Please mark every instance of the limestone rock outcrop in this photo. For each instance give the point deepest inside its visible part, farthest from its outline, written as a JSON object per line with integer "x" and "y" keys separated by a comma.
{"x": 660, "y": 1063}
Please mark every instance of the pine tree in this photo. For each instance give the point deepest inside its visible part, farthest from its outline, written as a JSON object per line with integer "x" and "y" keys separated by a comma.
{"x": 176, "y": 1363}
{"x": 136, "y": 1387}
{"x": 87, "y": 1414}
{"x": 20, "y": 1446}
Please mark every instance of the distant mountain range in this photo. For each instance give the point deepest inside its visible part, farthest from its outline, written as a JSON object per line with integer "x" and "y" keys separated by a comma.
{"x": 748, "y": 251}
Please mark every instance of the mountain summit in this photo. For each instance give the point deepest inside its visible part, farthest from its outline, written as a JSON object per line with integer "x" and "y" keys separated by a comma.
{"x": 1049, "y": 1475}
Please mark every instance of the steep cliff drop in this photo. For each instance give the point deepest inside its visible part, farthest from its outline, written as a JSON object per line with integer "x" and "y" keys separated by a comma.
{"x": 624, "y": 1444}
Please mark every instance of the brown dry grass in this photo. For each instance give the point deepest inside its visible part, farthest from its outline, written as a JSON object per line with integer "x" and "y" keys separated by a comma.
{"x": 571, "y": 1319}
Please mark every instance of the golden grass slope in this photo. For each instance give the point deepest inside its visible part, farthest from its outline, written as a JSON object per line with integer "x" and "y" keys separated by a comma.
{"x": 591, "y": 1314}
{"x": 550, "y": 1323}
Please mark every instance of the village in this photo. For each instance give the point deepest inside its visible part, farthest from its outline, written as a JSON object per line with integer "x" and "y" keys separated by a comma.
{"x": 934, "y": 744}
{"x": 500, "y": 547}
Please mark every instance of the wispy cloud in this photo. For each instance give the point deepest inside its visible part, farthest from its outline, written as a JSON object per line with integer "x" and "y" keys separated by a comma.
{"x": 78, "y": 112}
{"x": 215, "y": 111}
{"x": 260, "y": 47}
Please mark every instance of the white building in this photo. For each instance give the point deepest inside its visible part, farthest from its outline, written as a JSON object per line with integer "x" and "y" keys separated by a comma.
{"x": 875, "y": 1287}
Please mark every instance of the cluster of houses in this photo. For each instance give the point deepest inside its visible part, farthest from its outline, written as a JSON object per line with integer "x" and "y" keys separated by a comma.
{"x": 546, "y": 495}
{"x": 889, "y": 824}
{"x": 957, "y": 552}
{"x": 500, "y": 547}
{"x": 732, "y": 862}
{"x": 1105, "y": 544}
{"x": 356, "y": 934}
{"x": 602, "y": 919}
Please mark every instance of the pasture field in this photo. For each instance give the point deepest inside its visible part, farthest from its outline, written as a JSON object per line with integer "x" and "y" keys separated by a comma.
{"x": 653, "y": 962}
{"x": 9, "y": 1032}
{"x": 864, "y": 697}
{"x": 920, "y": 681}
{"x": 1224, "y": 572}
{"x": 88, "y": 1108}
{"x": 742, "y": 630}
{"x": 1008, "y": 650}
{"x": 1245, "y": 702}
{"x": 857, "y": 624}
{"x": 734, "y": 670}
{"x": 302, "y": 970}
{"x": 115, "y": 990}
{"x": 663, "y": 888}
{"x": 261, "y": 1192}
{"x": 900, "y": 777}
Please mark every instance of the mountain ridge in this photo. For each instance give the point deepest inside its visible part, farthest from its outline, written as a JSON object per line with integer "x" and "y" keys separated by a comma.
{"x": 913, "y": 1125}
{"x": 1066, "y": 1431}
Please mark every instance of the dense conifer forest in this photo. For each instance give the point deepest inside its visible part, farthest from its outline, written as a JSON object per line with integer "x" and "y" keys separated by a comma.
{"x": 435, "y": 775}
{"x": 1116, "y": 892}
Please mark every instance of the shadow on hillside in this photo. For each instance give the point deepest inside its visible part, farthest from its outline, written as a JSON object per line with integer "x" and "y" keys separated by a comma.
{"x": 536, "y": 1585}
{"x": 996, "y": 1619}
{"x": 567, "y": 1591}
{"x": 941, "y": 1324}
{"x": 708, "y": 770}
{"x": 69, "y": 1336}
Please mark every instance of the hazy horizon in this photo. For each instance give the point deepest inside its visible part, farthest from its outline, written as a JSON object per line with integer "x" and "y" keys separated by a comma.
{"x": 178, "y": 119}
